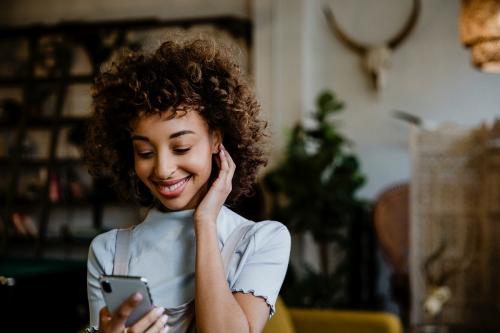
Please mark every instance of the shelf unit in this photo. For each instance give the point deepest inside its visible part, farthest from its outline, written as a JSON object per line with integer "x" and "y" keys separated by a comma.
{"x": 42, "y": 62}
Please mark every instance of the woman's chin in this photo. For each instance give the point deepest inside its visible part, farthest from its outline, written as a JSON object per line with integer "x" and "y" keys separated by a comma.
{"x": 173, "y": 205}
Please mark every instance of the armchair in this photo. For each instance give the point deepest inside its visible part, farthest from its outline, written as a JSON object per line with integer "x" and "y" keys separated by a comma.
{"x": 294, "y": 320}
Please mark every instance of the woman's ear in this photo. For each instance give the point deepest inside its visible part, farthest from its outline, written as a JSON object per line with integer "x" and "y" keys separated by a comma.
{"x": 216, "y": 141}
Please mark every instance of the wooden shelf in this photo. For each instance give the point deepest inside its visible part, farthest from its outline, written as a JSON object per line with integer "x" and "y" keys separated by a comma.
{"x": 237, "y": 26}
{"x": 29, "y": 205}
{"x": 41, "y": 162}
{"x": 34, "y": 94}
{"x": 20, "y": 81}
{"x": 45, "y": 123}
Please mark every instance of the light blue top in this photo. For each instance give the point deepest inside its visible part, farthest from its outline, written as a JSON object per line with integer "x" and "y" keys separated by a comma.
{"x": 162, "y": 249}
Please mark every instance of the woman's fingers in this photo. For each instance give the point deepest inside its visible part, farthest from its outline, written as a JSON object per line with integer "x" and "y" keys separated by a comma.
{"x": 159, "y": 325}
{"x": 117, "y": 322}
{"x": 152, "y": 322}
{"x": 223, "y": 168}
{"x": 224, "y": 161}
{"x": 209, "y": 207}
{"x": 230, "y": 167}
{"x": 225, "y": 176}
{"x": 104, "y": 317}
{"x": 104, "y": 312}
{"x": 217, "y": 160}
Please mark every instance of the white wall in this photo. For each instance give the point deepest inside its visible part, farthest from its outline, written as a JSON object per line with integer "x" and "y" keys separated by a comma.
{"x": 296, "y": 56}
{"x": 430, "y": 77}
{"x": 279, "y": 63}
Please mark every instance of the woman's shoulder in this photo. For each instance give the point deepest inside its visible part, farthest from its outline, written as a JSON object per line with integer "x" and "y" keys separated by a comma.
{"x": 104, "y": 243}
{"x": 101, "y": 253}
{"x": 271, "y": 237}
{"x": 264, "y": 232}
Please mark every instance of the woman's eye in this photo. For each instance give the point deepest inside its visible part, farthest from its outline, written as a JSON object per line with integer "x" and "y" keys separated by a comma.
{"x": 145, "y": 155}
{"x": 181, "y": 150}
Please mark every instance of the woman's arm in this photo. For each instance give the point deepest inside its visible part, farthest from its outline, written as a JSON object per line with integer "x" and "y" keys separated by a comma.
{"x": 217, "y": 309}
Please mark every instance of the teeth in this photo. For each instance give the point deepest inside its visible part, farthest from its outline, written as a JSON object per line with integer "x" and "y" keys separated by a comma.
{"x": 172, "y": 187}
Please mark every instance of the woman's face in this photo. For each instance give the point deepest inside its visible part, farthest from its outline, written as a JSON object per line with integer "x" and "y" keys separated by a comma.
{"x": 173, "y": 157}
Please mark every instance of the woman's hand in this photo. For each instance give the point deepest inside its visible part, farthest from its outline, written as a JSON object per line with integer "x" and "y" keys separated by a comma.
{"x": 152, "y": 322}
{"x": 210, "y": 205}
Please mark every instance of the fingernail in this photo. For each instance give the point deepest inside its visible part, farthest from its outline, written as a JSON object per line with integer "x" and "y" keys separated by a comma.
{"x": 159, "y": 310}
{"x": 137, "y": 296}
{"x": 164, "y": 319}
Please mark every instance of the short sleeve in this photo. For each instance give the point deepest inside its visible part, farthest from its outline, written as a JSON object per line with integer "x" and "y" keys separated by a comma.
{"x": 99, "y": 262}
{"x": 264, "y": 258}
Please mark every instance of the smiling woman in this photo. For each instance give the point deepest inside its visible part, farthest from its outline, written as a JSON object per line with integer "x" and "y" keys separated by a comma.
{"x": 179, "y": 130}
{"x": 171, "y": 157}
{"x": 192, "y": 75}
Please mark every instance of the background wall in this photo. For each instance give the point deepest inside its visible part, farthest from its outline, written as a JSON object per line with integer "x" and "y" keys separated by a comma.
{"x": 50, "y": 11}
{"x": 296, "y": 56}
{"x": 430, "y": 75}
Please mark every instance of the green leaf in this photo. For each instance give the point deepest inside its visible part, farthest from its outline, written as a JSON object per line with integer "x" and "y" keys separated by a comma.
{"x": 314, "y": 190}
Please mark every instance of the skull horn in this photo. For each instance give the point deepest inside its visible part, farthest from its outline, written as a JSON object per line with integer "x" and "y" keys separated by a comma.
{"x": 410, "y": 24}
{"x": 355, "y": 46}
{"x": 361, "y": 48}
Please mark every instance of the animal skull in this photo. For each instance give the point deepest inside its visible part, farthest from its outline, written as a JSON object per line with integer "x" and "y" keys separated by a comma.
{"x": 376, "y": 62}
{"x": 376, "y": 59}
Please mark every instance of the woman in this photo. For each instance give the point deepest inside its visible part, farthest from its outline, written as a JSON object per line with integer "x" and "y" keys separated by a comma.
{"x": 180, "y": 129}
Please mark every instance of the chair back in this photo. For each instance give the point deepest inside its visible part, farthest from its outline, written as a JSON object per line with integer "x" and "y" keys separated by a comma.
{"x": 391, "y": 220}
{"x": 281, "y": 322}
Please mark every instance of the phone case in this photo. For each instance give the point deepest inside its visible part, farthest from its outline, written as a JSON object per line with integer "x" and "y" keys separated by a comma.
{"x": 117, "y": 288}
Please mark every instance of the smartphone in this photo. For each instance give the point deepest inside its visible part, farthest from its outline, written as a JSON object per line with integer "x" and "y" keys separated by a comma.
{"x": 117, "y": 288}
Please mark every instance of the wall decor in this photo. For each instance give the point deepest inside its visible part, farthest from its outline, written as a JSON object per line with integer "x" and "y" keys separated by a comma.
{"x": 375, "y": 58}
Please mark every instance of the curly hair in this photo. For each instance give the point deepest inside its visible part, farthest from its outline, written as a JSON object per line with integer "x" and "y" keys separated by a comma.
{"x": 198, "y": 73}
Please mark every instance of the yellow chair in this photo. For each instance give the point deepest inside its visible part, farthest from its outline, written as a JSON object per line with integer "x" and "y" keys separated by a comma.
{"x": 290, "y": 320}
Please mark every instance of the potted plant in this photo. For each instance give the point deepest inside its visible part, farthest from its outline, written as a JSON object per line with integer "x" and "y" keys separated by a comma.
{"x": 313, "y": 190}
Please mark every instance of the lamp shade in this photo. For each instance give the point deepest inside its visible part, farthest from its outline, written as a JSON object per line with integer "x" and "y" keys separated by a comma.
{"x": 480, "y": 31}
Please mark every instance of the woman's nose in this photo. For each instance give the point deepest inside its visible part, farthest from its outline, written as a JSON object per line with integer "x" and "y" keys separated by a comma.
{"x": 165, "y": 166}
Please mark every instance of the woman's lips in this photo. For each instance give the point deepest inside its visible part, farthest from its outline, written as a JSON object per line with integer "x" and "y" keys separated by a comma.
{"x": 172, "y": 189}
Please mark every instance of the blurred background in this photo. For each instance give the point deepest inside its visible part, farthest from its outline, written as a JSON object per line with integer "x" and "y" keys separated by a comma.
{"x": 384, "y": 160}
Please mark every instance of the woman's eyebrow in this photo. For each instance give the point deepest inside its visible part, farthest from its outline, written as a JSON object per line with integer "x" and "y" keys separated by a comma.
{"x": 172, "y": 136}
{"x": 139, "y": 137}
{"x": 176, "y": 134}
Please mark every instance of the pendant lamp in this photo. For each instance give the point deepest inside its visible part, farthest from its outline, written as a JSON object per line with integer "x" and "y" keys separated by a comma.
{"x": 480, "y": 32}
